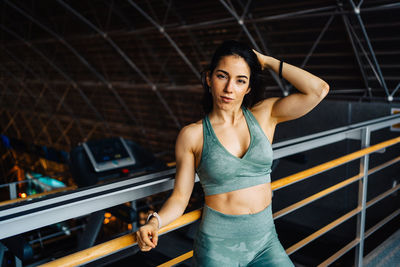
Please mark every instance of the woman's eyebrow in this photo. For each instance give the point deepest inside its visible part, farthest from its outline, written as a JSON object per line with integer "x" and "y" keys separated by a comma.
{"x": 239, "y": 76}
{"x": 223, "y": 72}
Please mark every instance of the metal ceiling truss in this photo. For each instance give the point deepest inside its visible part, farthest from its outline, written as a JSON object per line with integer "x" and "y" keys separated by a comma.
{"x": 357, "y": 42}
{"x": 147, "y": 45}
{"x": 356, "y": 53}
{"x": 311, "y": 12}
{"x": 356, "y": 10}
{"x": 241, "y": 21}
{"x": 195, "y": 42}
{"x": 166, "y": 35}
{"x": 126, "y": 59}
{"x": 44, "y": 130}
{"x": 163, "y": 66}
{"x": 12, "y": 123}
{"x": 18, "y": 97}
{"x": 12, "y": 118}
{"x": 349, "y": 28}
{"x": 29, "y": 125}
{"x": 169, "y": 39}
{"x": 315, "y": 44}
{"x": 49, "y": 113}
{"x": 353, "y": 35}
{"x": 315, "y": 12}
{"x": 82, "y": 60}
{"x": 395, "y": 90}
{"x": 63, "y": 74}
{"x": 365, "y": 53}
{"x": 229, "y": 21}
{"x": 30, "y": 70}
{"x": 256, "y": 28}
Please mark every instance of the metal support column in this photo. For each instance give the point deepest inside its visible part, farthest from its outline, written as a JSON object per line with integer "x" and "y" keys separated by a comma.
{"x": 134, "y": 208}
{"x": 92, "y": 228}
{"x": 362, "y": 197}
{"x": 13, "y": 190}
{"x": 18, "y": 262}
{"x": 2, "y": 250}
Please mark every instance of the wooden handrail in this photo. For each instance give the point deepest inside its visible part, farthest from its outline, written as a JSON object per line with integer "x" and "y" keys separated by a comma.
{"x": 16, "y": 200}
{"x": 331, "y": 164}
{"x": 119, "y": 243}
{"x": 114, "y": 245}
{"x": 177, "y": 260}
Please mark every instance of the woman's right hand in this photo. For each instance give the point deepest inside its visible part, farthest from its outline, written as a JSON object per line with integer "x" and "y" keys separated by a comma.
{"x": 143, "y": 235}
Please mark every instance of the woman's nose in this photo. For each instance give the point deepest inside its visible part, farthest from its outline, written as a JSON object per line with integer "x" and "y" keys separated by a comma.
{"x": 228, "y": 86}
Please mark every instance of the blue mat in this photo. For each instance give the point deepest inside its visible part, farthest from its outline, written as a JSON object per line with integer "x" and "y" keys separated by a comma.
{"x": 387, "y": 254}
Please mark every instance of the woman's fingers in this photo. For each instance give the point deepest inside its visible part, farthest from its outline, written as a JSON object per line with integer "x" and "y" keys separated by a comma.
{"x": 258, "y": 54}
{"x": 260, "y": 58}
{"x": 143, "y": 246}
{"x": 155, "y": 238}
{"x": 145, "y": 237}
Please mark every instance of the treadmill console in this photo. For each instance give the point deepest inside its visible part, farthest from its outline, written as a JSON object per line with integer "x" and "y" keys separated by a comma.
{"x": 108, "y": 154}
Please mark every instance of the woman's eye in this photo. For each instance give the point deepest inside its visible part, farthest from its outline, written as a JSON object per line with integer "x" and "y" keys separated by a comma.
{"x": 242, "y": 81}
{"x": 220, "y": 76}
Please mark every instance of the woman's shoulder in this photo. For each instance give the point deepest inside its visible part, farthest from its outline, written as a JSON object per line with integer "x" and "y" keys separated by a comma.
{"x": 191, "y": 134}
{"x": 192, "y": 128}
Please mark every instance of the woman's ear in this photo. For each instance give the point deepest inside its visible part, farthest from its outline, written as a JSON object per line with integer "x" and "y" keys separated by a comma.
{"x": 208, "y": 79}
{"x": 248, "y": 90}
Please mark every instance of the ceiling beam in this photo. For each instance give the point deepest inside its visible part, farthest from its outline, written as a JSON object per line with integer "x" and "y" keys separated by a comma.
{"x": 73, "y": 83}
{"x": 82, "y": 60}
{"x": 125, "y": 58}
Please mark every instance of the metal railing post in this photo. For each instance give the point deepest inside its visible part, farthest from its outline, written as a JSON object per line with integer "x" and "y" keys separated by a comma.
{"x": 13, "y": 190}
{"x": 362, "y": 197}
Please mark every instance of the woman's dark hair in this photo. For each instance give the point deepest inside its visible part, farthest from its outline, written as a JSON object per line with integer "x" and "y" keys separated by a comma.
{"x": 242, "y": 50}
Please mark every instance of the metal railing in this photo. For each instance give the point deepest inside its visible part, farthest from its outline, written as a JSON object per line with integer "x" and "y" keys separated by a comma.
{"x": 38, "y": 195}
{"x": 129, "y": 240}
{"x": 361, "y": 131}
{"x": 12, "y": 187}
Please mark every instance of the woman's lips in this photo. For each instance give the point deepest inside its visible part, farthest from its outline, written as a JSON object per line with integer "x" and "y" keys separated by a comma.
{"x": 226, "y": 99}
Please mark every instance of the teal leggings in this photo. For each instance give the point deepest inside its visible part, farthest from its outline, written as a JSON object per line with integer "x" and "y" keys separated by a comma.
{"x": 238, "y": 240}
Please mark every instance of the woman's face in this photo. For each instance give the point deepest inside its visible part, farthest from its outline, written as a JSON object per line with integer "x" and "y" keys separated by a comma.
{"x": 229, "y": 82}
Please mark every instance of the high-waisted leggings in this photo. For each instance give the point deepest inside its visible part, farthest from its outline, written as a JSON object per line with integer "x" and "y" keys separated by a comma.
{"x": 238, "y": 240}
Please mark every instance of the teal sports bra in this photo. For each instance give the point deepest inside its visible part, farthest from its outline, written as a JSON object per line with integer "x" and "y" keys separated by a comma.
{"x": 220, "y": 171}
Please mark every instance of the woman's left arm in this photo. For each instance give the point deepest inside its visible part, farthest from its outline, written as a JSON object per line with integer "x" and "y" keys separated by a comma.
{"x": 312, "y": 90}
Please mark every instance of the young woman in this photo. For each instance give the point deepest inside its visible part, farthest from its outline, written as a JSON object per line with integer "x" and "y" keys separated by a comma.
{"x": 230, "y": 149}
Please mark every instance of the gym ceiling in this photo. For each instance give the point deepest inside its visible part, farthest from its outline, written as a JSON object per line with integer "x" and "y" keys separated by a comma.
{"x": 72, "y": 71}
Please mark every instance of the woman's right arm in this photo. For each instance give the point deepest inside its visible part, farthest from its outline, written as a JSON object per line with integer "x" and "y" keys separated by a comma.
{"x": 176, "y": 204}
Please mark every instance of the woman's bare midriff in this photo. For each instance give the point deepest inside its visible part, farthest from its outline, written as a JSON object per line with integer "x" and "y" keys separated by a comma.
{"x": 243, "y": 201}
